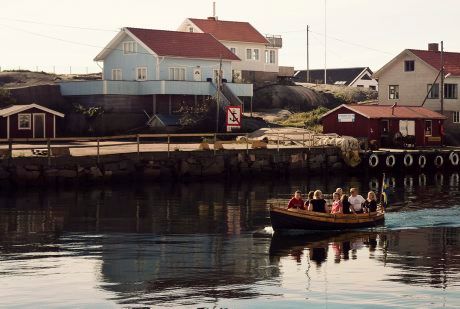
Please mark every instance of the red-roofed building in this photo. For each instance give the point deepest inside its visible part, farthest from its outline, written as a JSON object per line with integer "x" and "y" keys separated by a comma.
{"x": 158, "y": 71}
{"x": 408, "y": 78}
{"x": 382, "y": 123}
{"x": 258, "y": 53}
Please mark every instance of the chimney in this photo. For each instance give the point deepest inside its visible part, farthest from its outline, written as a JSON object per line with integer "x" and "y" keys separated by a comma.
{"x": 433, "y": 47}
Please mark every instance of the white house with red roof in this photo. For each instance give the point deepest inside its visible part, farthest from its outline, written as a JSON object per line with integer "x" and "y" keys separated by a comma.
{"x": 258, "y": 53}
{"x": 407, "y": 80}
{"x": 170, "y": 66}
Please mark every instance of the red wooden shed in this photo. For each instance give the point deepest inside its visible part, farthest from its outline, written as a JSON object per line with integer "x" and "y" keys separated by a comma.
{"x": 382, "y": 122}
{"x": 28, "y": 121}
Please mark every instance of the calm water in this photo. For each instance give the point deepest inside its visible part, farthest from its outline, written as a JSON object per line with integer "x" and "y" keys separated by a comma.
{"x": 210, "y": 245}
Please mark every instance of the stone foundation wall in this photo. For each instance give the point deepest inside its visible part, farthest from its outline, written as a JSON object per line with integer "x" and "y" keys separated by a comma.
{"x": 163, "y": 167}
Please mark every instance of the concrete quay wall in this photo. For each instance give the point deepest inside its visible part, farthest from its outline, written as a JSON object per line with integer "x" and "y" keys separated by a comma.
{"x": 161, "y": 166}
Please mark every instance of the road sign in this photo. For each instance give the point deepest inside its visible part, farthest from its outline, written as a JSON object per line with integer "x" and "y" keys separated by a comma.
{"x": 233, "y": 116}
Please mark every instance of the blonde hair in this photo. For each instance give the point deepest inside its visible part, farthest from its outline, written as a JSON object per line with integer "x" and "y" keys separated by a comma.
{"x": 336, "y": 194}
{"x": 352, "y": 190}
{"x": 317, "y": 194}
{"x": 372, "y": 193}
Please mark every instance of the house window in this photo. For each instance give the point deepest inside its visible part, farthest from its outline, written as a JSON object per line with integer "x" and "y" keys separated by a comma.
{"x": 24, "y": 121}
{"x": 233, "y": 50}
{"x": 141, "y": 73}
{"x": 177, "y": 73}
{"x": 433, "y": 93}
{"x": 248, "y": 54}
{"x": 393, "y": 92}
{"x": 270, "y": 56}
{"x": 373, "y": 87}
{"x": 428, "y": 128}
{"x": 116, "y": 74}
{"x": 409, "y": 65}
{"x": 216, "y": 75}
{"x": 256, "y": 55}
{"x": 190, "y": 29}
{"x": 456, "y": 117}
{"x": 450, "y": 91}
{"x": 129, "y": 47}
{"x": 360, "y": 86}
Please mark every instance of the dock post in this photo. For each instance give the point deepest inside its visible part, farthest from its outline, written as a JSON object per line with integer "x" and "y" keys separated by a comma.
{"x": 278, "y": 146}
{"x": 97, "y": 151}
{"x": 138, "y": 146}
{"x": 10, "y": 149}
{"x": 215, "y": 141}
{"x": 247, "y": 143}
{"x": 169, "y": 140}
{"x": 48, "y": 146}
{"x": 303, "y": 139}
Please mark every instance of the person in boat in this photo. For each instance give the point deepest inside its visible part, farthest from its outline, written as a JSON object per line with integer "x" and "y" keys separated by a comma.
{"x": 345, "y": 204}
{"x": 317, "y": 204}
{"x": 336, "y": 204}
{"x": 310, "y": 196}
{"x": 370, "y": 204}
{"x": 356, "y": 201}
{"x": 339, "y": 191}
{"x": 296, "y": 201}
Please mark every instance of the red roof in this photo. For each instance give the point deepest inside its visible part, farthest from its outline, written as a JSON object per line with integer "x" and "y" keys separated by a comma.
{"x": 433, "y": 58}
{"x": 386, "y": 111}
{"x": 230, "y": 30}
{"x": 183, "y": 44}
{"x": 403, "y": 112}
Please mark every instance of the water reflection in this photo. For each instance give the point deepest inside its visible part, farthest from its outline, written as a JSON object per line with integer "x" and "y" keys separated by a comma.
{"x": 426, "y": 256}
{"x": 201, "y": 244}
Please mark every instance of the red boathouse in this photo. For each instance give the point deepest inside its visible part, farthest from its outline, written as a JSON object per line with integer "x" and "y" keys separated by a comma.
{"x": 386, "y": 124}
{"x": 28, "y": 121}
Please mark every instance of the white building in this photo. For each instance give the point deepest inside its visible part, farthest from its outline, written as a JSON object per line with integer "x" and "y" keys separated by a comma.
{"x": 258, "y": 54}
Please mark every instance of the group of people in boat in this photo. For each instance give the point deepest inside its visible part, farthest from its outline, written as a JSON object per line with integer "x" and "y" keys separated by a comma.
{"x": 341, "y": 203}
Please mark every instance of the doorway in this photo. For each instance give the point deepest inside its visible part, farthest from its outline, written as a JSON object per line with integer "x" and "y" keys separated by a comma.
{"x": 39, "y": 126}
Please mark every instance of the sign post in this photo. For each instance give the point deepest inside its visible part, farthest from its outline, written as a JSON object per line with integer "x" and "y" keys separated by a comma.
{"x": 233, "y": 118}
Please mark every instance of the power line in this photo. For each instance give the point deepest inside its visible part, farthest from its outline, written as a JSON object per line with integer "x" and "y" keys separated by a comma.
{"x": 94, "y": 46}
{"x": 57, "y": 25}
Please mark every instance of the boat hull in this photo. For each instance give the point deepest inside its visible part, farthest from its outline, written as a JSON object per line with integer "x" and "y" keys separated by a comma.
{"x": 283, "y": 219}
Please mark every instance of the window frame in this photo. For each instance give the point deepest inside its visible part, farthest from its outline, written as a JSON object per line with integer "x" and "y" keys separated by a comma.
{"x": 179, "y": 70}
{"x": 28, "y": 115}
{"x": 117, "y": 70}
{"x": 456, "y": 117}
{"x": 429, "y": 93}
{"x": 395, "y": 92}
{"x": 455, "y": 91}
{"x": 407, "y": 68}
{"x": 137, "y": 73}
{"x": 256, "y": 54}
{"x": 431, "y": 127}
{"x": 129, "y": 51}
{"x": 233, "y": 50}
{"x": 249, "y": 52}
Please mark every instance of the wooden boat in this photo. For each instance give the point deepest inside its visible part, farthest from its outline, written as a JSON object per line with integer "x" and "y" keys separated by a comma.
{"x": 294, "y": 219}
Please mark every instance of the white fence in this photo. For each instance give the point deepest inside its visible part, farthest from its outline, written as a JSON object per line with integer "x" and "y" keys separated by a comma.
{"x": 55, "y": 69}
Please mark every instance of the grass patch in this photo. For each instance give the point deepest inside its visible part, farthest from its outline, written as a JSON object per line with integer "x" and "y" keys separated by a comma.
{"x": 308, "y": 120}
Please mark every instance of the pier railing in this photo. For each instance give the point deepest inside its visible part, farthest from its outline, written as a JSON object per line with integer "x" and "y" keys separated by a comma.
{"x": 153, "y": 143}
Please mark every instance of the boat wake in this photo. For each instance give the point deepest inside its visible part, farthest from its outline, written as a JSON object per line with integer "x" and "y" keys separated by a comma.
{"x": 445, "y": 217}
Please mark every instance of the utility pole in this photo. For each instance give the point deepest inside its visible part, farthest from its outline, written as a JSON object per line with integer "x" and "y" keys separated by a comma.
{"x": 442, "y": 78}
{"x": 308, "y": 55}
{"x": 219, "y": 80}
{"x": 325, "y": 39}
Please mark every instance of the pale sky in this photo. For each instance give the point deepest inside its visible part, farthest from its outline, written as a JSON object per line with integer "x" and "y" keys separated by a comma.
{"x": 360, "y": 32}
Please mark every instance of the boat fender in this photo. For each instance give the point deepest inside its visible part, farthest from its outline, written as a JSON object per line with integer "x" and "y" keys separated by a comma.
{"x": 390, "y": 160}
{"x": 374, "y": 184}
{"x": 438, "y": 161}
{"x": 454, "y": 179}
{"x": 439, "y": 179}
{"x": 408, "y": 160}
{"x": 373, "y": 160}
{"x": 422, "y": 161}
{"x": 408, "y": 182}
{"x": 422, "y": 180}
{"x": 454, "y": 158}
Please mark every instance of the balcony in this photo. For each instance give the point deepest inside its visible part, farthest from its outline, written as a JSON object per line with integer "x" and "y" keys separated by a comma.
{"x": 275, "y": 40}
{"x": 150, "y": 87}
